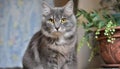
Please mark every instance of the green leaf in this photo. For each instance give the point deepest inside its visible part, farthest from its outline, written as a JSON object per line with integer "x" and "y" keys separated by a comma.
{"x": 89, "y": 25}
{"x": 101, "y": 24}
{"x": 91, "y": 56}
{"x": 84, "y": 25}
{"x": 80, "y": 44}
{"x": 78, "y": 14}
{"x": 88, "y": 44}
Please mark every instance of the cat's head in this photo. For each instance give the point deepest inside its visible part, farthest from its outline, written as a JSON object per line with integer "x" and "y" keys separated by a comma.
{"x": 58, "y": 21}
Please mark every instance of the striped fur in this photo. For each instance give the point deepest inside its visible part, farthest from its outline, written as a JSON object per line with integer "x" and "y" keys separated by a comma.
{"x": 51, "y": 47}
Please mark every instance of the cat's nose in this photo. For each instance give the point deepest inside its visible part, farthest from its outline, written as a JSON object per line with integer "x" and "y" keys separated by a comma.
{"x": 57, "y": 28}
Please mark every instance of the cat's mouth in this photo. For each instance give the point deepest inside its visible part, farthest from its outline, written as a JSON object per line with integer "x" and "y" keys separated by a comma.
{"x": 56, "y": 34}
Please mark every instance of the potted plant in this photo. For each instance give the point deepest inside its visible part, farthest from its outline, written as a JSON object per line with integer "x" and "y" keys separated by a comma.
{"x": 110, "y": 52}
{"x": 105, "y": 29}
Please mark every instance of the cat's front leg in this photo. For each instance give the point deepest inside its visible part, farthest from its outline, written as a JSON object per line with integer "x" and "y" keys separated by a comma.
{"x": 38, "y": 67}
{"x": 65, "y": 67}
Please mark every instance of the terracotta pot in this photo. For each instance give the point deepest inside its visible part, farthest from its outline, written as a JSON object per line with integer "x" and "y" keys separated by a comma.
{"x": 110, "y": 52}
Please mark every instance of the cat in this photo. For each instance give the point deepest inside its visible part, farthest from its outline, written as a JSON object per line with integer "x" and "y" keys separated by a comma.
{"x": 54, "y": 46}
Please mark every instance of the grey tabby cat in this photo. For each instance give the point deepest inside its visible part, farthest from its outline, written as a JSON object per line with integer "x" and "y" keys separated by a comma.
{"x": 54, "y": 46}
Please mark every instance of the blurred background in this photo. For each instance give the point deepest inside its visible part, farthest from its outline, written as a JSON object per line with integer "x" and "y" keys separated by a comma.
{"x": 20, "y": 19}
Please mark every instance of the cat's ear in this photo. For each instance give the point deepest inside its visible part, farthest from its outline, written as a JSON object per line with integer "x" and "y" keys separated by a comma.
{"x": 68, "y": 8}
{"x": 46, "y": 8}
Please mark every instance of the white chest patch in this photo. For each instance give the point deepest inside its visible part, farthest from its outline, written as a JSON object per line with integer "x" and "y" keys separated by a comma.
{"x": 61, "y": 41}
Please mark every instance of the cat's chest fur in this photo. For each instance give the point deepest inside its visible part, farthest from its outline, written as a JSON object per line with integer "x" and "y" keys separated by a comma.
{"x": 57, "y": 52}
{"x": 60, "y": 46}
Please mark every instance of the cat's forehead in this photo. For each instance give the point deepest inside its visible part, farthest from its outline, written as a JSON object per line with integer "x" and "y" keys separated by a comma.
{"x": 57, "y": 12}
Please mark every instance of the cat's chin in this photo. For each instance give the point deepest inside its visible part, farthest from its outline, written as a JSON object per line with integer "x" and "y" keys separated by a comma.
{"x": 56, "y": 34}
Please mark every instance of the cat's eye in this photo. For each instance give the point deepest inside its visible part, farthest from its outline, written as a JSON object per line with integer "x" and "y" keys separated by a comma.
{"x": 63, "y": 20}
{"x": 51, "y": 20}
